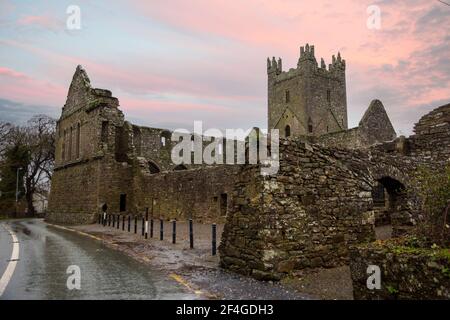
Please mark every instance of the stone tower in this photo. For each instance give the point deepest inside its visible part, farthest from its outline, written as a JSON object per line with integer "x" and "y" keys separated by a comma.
{"x": 310, "y": 100}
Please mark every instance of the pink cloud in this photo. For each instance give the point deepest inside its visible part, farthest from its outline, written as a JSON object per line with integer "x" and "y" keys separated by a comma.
{"x": 42, "y": 21}
{"x": 11, "y": 73}
{"x": 19, "y": 87}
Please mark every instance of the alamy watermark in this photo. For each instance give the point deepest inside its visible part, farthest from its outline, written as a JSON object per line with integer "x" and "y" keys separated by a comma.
{"x": 74, "y": 279}
{"x": 73, "y": 21}
{"x": 374, "y": 19}
{"x": 233, "y": 147}
{"x": 374, "y": 279}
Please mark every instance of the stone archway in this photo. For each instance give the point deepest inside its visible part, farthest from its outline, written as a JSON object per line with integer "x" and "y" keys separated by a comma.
{"x": 390, "y": 205}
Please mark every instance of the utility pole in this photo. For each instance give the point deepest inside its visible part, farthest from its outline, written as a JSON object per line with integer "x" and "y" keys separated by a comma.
{"x": 17, "y": 187}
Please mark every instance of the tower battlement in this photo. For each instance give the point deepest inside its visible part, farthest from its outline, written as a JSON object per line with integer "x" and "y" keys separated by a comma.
{"x": 310, "y": 99}
{"x": 307, "y": 63}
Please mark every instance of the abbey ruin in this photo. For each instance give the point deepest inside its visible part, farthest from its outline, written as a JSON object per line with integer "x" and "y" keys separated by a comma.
{"x": 335, "y": 185}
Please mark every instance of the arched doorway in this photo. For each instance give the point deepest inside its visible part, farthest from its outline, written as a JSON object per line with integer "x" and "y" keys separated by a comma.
{"x": 390, "y": 207}
{"x": 180, "y": 167}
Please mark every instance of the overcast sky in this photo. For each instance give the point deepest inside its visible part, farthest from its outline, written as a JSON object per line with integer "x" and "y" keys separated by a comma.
{"x": 175, "y": 61}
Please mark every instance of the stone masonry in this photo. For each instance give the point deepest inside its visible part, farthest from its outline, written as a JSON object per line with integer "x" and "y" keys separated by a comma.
{"x": 103, "y": 159}
{"x": 318, "y": 205}
{"x": 310, "y": 102}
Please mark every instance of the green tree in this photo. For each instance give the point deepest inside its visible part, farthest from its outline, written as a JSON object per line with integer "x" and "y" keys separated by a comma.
{"x": 15, "y": 160}
{"x": 433, "y": 187}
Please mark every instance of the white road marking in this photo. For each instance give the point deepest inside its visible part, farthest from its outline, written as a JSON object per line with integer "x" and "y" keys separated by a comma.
{"x": 12, "y": 263}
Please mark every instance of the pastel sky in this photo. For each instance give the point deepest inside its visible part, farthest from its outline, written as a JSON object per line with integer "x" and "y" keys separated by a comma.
{"x": 171, "y": 62}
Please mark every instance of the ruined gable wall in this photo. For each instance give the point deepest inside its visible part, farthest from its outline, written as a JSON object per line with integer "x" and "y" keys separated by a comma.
{"x": 86, "y": 173}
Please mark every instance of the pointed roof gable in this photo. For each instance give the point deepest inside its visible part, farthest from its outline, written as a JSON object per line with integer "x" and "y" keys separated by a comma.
{"x": 376, "y": 123}
{"x": 79, "y": 91}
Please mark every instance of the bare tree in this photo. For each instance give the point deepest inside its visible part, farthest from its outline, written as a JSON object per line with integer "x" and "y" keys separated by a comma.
{"x": 5, "y": 129}
{"x": 40, "y": 139}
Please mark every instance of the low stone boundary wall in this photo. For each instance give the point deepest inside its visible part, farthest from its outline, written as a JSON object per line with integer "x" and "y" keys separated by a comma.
{"x": 406, "y": 272}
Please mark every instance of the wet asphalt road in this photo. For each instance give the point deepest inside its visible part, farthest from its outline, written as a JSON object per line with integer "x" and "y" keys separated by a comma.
{"x": 46, "y": 253}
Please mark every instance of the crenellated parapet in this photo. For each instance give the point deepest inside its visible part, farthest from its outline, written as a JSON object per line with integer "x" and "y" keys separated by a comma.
{"x": 307, "y": 63}
{"x": 274, "y": 67}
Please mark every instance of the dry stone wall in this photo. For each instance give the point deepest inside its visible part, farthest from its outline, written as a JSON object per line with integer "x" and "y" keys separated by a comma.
{"x": 406, "y": 273}
{"x": 308, "y": 215}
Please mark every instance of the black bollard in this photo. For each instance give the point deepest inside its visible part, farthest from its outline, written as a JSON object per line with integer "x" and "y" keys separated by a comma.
{"x": 129, "y": 223}
{"x": 174, "y": 231}
{"x": 191, "y": 234}
{"x": 99, "y": 218}
{"x": 146, "y": 223}
{"x": 161, "y": 229}
{"x": 118, "y": 221}
{"x": 135, "y": 225}
{"x": 151, "y": 228}
{"x": 123, "y": 223}
{"x": 143, "y": 226}
{"x": 109, "y": 220}
{"x": 114, "y": 221}
{"x": 214, "y": 237}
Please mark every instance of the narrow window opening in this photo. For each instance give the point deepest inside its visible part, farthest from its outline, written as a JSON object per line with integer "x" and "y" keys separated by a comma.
{"x": 123, "y": 202}
{"x": 77, "y": 150}
{"x": 70, "y": 143}
{"x": 288, "y": 96}
{"x": 223, "y": 204}
{"x": 287, "y": 131}
{"x": 63, "y": 156}
{"x": 104, "y": 133}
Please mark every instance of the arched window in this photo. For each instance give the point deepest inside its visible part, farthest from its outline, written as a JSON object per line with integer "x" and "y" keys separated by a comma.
{"x": 70, "y": 143}
{"x": 165, "y": 138}
{"x": 153, "y": 167}
{"x": 310, "y": 126}
{"x": 287, "y": 131}
{"x": 180, "y": 167}
{"x": 63, "y": 148}
{"x": 77, "y": 147}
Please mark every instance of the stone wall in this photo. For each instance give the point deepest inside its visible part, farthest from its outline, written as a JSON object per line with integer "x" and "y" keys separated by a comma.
{"x": 203, "y": 194}
{"x": 318, "y": 204}
{"x": 406, "y": 273}
{"x": 432, "y": 136}
{"x": 374, "y": 127}
{"x": 305, "y": 216}
{"x": 103, "y": 159}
